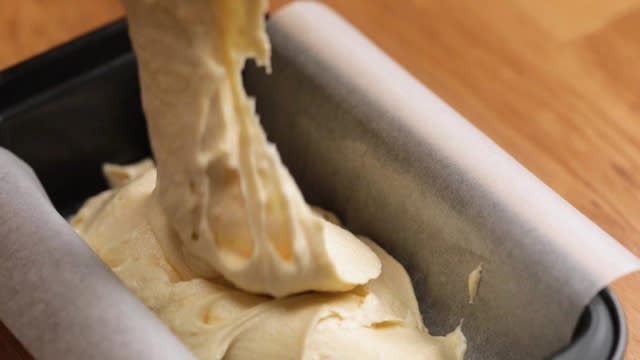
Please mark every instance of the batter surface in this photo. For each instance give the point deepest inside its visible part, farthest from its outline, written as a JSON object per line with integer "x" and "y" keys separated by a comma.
{"x": 218, "y": 240}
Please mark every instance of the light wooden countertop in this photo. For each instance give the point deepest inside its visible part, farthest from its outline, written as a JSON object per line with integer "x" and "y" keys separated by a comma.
{"x": 554, "y": 82}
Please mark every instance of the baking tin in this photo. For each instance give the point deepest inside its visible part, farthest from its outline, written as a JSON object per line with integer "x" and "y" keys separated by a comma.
{"x": 68, "y": 110}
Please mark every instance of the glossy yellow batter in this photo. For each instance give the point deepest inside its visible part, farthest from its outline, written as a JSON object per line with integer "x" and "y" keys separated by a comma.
{"x": 227, "y": 205}
{"x": 219, "y": 241}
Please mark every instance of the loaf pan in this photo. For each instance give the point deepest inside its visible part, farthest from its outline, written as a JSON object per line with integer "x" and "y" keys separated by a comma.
{"x": 69, "y": 110}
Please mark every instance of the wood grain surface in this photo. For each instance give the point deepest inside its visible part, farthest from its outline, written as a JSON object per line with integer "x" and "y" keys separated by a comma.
{"x": 554, "y": 82}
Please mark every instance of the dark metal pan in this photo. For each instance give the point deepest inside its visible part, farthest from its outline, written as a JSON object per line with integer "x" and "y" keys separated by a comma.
{"x": 67, "y": 111}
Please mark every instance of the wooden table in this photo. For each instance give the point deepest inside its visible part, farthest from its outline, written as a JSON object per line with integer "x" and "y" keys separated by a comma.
{"x": 554, "y": 82}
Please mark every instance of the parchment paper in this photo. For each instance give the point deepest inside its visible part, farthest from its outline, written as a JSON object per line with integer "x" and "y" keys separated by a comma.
{"x": 363, "y": 138}
{"x": 56, "y": 295}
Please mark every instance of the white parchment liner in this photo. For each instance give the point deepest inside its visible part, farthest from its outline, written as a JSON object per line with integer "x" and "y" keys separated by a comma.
{"x": 56, "y": 295}
{"x": 367, "y": 140}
